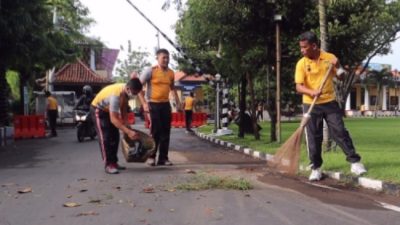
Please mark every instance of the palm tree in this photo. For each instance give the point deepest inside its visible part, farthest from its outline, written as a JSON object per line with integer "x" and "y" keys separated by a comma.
{"x": 380, "y": 79}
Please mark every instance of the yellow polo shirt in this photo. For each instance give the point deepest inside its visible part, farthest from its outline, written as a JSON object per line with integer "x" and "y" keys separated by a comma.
{"x": 108, "y": 98}
{"x": 310, "y": 73}
{"x": 51, "y": 103}
{"x": 159, "y": 83}
{"x": 189, "y": 103}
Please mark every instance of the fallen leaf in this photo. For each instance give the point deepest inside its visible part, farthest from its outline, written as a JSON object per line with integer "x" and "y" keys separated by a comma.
{"x": 247, "y": 195}
{"x": 82, "y": 179}
{"x": 171, "y": 190}
{"x": 69, "y": 196}
{"x": 95, "y": 201}
{"x": 149, "y": 190}
{"x": 71, "y": 204}
{"x": 190, "y": 171}
{"x": 88, "y": 213}
{"x": 25, "y": 190}
{"x": 118, "y": 188}
{"x": 149, "y": 210}
{"x": 7, "y": 184}
{"x": 83, "y": 190}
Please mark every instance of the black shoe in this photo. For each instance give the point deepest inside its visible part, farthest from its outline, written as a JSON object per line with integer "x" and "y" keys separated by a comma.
{"x": 165, "y": 163}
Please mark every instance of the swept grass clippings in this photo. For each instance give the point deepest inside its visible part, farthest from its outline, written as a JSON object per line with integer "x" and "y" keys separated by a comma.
{"x": 205, "y": 182}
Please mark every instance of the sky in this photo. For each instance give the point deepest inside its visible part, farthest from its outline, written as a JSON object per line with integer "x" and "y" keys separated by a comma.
{"x": 117, "y": 22}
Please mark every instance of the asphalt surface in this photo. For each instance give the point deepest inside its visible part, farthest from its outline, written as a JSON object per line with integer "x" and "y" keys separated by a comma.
{"x": 61, "y": 170}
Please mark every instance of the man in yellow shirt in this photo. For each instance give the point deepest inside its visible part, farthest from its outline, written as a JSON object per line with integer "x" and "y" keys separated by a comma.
{"x": 52, "y": 113}
{"x": 159, "y": 80}
{"x": 109, "y": 113}
{"x": 188, "y": 105}
{"x": 310, "y": 71}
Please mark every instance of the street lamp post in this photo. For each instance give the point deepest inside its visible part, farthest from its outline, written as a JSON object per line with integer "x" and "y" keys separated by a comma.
{"x": 278, "y": 19}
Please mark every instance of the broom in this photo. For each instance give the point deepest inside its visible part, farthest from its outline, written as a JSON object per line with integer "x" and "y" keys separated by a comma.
{"x": 286, "y": 159}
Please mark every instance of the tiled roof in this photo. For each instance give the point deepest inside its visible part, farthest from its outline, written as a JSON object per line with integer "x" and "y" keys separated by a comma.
{"x": 79, "y": 73}
{"x": 181, "y": 76}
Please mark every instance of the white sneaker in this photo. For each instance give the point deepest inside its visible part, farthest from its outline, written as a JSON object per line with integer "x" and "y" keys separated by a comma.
{"x": 315, "y": 175}
{"x": 358, "y": 168}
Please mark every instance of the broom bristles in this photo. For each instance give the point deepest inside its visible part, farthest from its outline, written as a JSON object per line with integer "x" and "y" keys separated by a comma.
{"x": 286, "y": 159}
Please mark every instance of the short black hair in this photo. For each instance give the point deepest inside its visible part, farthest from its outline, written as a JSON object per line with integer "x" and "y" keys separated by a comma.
{"x": 47, "y": 93}
{"x": 135, "y": 84}
{"x": 310, "y": 37}
{"x": 191, "y": 94}
{"x": 162, "y": 51}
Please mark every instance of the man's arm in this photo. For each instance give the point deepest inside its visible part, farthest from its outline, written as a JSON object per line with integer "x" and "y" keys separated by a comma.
{"x": 301, "y": 89}
{"x": 117, "y": 119}
{"x": 145, "y": 78}
{"x": 143, "y": 102}
{"x": 177, "y": 101}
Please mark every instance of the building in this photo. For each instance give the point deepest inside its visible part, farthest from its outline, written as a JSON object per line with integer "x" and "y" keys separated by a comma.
{"x": 364, "y": 95}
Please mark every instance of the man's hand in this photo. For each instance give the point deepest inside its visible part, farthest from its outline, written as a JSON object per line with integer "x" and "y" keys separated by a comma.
{"x": 315, "y": 93}
{"x": 132, "y": 135}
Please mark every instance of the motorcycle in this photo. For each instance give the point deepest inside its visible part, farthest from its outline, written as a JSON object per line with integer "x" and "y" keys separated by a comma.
{"x": 84, "y": 125}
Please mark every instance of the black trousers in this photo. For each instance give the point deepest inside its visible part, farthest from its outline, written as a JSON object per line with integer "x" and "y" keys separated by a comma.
{"x": 188, "y": 119}
{"x": 160, "y": 116}
{"x": 314, "y": 132}
{"x": 108, "y": 135}
{"x": 52, "y": 117}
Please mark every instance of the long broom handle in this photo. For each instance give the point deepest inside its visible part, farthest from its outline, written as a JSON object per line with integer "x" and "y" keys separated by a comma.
{"x": 320, "y": 88}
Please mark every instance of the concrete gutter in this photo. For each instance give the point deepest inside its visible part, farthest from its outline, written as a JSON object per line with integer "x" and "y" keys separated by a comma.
{"x": 377, "y": 185}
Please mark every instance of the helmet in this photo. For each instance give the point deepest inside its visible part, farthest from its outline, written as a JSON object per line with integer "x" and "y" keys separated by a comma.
{"x": 87, "y": 90}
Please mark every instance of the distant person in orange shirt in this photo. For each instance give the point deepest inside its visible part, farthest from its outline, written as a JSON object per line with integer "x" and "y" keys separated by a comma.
{"x": 188, "y": 105}
{"x": 52, "y": 113}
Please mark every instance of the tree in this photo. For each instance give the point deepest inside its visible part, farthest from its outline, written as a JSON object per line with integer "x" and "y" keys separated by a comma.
{"x": 360, "y": 30}
{"x": 236, "y": 39}
{"x": 137, "y": 61}
{"x": 30, "y": 43}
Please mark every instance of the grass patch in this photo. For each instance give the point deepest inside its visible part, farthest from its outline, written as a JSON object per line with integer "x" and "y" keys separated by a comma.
{"x": 376, "y": 140}
{"x": 205, "y": 182}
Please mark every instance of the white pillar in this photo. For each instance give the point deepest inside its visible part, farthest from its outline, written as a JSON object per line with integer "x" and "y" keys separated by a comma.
{"x": 366, "y": 98}
{"x": 92, "y": 60}
{"x": 348, "y": 103}
{"x": 384, "y": 98}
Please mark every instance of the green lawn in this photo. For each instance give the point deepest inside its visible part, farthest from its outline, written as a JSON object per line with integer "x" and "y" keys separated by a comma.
{"x": 376, "y": 140}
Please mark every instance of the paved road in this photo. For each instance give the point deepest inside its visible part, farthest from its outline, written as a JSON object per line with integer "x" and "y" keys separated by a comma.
{"x": 61, "y": 170}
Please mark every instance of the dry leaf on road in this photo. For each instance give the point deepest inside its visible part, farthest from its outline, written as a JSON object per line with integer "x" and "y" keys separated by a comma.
{"x": 149, "y": 190}
{"x": 88, "y": 213}
{"x": 71, "y": 204}
{"x": 25, "y": 190}
{"x": 190, "y": 171}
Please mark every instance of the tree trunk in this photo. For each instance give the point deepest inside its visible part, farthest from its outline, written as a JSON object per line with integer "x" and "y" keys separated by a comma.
{"x": 270, "y": 105}
{"x": 22, "y": 83}
{"x": 378, "y": 95}
{"x": 253, "y": 106}
{"x": 242, "y": 105}
{"x": 4, "y": 105}
{"x": 324, "y": 46}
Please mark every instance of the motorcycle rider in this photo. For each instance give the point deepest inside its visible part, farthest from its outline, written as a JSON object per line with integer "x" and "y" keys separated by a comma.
{"x": 85, "y": 99}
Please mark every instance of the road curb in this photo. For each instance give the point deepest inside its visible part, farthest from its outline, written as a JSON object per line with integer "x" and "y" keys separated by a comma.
{"x": 377, "y": 185}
